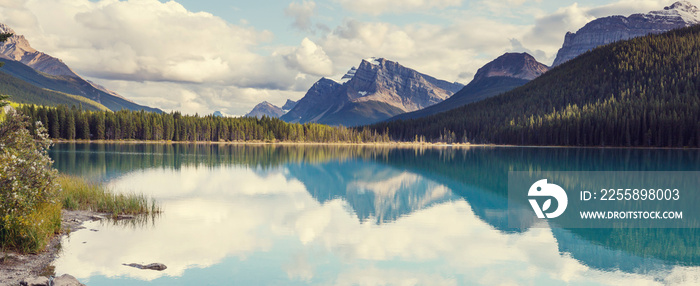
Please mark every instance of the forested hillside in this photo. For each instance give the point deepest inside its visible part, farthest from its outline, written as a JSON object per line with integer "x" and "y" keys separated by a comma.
{"x": 640, "y": 92}
{"x": 75, "y": 123}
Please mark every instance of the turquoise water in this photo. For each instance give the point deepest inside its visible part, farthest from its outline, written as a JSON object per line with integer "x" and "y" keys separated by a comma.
{"x": 332, "y": 215}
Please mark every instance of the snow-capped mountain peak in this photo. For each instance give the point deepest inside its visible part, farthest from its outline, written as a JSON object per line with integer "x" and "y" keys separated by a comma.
{"x": 684, "y": 9}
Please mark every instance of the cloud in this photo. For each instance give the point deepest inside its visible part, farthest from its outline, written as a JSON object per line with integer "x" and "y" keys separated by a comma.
{"x": 441, "y": 51}
{"x": 162, "y": 55}
{"x": 146, "y": 40}
{"x": 302, "y": 13}
{"x": 310, "y": 58}
{"x": 202, "y": 98}
{"x": 377, "y": 7}
{"x": 548, "y": 32}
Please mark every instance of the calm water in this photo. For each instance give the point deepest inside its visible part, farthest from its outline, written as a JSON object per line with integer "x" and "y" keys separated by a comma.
{"x": 265, "y": 215}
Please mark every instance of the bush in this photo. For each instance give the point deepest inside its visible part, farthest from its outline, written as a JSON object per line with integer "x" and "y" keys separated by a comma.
{"x": 29, "y": 210}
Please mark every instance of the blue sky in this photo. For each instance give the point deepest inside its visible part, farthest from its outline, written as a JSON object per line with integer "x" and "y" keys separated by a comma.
{"x": 208, "y": 55}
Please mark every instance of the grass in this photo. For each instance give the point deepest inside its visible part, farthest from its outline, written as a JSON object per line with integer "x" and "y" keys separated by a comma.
{"x": 80, "y": 194}
{"x": 31, "y": 233}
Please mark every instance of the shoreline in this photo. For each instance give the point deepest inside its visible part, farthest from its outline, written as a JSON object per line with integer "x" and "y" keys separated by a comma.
{"x": 364, "y": 144}
{"x": 15, "y": 267}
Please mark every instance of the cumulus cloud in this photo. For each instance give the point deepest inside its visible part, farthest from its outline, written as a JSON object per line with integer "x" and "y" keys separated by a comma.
{"x": 162, "y": 55}
{"x": 302, "y": 13}
{"x": 146, "y": 40}
{"x": 310, "y": 58}
{"x": 441, "y": 51}
{"x": 376, "y": 7}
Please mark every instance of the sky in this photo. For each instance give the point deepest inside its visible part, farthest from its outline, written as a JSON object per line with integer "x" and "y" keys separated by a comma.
{"x": 201, "y": 56}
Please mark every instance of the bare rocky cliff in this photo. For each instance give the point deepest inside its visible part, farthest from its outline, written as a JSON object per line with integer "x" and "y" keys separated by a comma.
{"x": 616, "y": 28}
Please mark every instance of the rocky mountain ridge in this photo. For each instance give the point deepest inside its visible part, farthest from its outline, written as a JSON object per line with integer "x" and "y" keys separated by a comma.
{"x": 506, "y": 72}
{"x": 378, "y": 89}
{"x": 616, "y": 28}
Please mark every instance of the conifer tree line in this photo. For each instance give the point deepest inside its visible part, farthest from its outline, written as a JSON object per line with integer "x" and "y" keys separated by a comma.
{"x": 641, "y": 92}
{"x": 75, "y": 123}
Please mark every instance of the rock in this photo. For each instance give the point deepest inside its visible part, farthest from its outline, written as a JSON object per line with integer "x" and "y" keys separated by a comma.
{"x": 96, "y": 217}
{"x": 152, "y": 266}
{"x": 66, "y": 280}
{"x": 616, "y": 28}
{"x": 35, "y": 281}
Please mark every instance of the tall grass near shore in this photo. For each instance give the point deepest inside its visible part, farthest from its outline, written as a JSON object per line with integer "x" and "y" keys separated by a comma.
{"x": 80, "y": 194}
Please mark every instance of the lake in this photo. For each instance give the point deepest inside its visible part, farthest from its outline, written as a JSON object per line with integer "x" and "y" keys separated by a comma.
{"x": 358, "y": 215}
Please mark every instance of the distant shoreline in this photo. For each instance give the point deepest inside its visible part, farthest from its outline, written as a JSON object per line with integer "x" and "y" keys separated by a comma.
{"x": 378, "y": 144}
{"x": 364, "y": 144}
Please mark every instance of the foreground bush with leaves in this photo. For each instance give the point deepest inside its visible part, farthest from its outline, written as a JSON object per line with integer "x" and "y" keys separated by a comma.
{"x": 30, "y": 213}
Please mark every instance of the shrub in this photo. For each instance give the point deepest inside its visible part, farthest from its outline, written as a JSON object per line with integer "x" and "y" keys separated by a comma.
{"x": 29, "y": 210}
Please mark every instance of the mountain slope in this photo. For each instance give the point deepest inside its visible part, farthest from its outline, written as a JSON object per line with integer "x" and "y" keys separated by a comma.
{"x": 265, "y": 109}
{"x": 615, "y": 28}
{"x": 318, "y": 99}
{"x": 640, "y": 92}
{"x": 23, "y": 92}
{"x": 289, "y": 105}
{"x": 378, "y": 89}
{"x": 44, "y": 71}
{"x": 505, "y": 73}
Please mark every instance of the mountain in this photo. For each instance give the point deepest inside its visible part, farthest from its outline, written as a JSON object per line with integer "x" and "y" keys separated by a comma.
{"x": 265, "y": 109}
{"x": 23, "y": 92}
{"x": 17, "y": 48}
{"x": 44, "y": 71}
{"x": 378, "y": 89}
{"x": 640, "y": 92}
{"x": 289, "y": 105}
{"x": 271, "y": 110}
{"x": 505, "y": 73}
{"x": 615, "y": 28}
